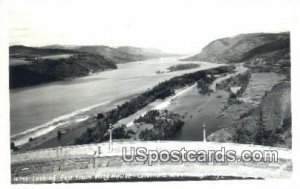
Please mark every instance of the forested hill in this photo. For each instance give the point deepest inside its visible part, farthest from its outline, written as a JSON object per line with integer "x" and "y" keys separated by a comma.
{"x": 123, "y": 54}
{"x": 117, "y": 55}
{"x": 255, "y": 49}
{"x": 20, "y": 50}
{"x": 31, "y": 66}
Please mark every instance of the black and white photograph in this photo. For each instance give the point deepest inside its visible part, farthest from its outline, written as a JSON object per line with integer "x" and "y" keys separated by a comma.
{"x": 133, "y": 91}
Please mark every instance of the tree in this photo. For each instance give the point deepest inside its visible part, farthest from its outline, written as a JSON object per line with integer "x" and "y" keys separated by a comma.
{"x": 13, "y": 146}
{"x": 100, "y": 116}
{"x": 59, "y": 135}
{"x": 232, "y": 95}
{"x": 263, "y": 134}
{"x": 203, "y": 85}
{"x": 89, "y": 132}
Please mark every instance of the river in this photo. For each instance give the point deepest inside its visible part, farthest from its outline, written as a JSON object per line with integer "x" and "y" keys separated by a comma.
{"x": 46, "y": 105}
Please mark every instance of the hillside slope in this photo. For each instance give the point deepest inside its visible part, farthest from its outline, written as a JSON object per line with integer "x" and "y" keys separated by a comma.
{"x": 31, "y": 66}
{"x": 123, "y": 54}
{"x": 18, "y": 51}
{"x": 269, "y": 123}
{"x": 245, "y": 47}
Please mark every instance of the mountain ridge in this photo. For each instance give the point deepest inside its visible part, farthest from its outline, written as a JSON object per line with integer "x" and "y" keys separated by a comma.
{"x": 31, "y": 65}
{"x": 121, "y": 54}
{"x": 241, "y": 47}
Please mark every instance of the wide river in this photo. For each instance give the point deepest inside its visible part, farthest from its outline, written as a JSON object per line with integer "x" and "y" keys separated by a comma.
{"x": 47, "y": 104}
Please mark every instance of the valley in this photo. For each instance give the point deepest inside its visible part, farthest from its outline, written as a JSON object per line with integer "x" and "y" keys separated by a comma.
{"x": 231, "y": 98}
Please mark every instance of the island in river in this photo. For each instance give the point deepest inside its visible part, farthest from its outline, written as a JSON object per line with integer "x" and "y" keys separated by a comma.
{"x": 65, "y": 108}
{"x": 235, "y": 106}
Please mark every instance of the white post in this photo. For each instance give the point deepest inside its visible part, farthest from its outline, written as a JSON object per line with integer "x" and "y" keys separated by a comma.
{"x": 204, "y": 132}
{"x": 99, "y": 150}
{"x": 110, "y": 137}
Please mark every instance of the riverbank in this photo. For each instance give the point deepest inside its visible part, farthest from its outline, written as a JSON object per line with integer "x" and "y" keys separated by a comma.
{"x": 196, "y": 108}
{"x": 161, "y": 91}
{"x": 73, "y": 130}
{"x": 70, "y": 131}
{"x": 54, "y": 100}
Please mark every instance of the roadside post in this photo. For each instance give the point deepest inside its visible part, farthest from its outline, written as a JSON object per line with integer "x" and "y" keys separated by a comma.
{"x": 204, "y": 132}
{"x": 110, "y": 137}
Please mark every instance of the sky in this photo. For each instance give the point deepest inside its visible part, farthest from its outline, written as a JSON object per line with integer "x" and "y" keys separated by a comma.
{"x": 176, "y": 26}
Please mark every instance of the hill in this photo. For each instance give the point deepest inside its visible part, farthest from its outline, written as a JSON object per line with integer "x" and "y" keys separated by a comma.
{"x": 123, "y": 54}
{"x": 263, "y": 51}
{"x": 270, "y": 122}
{"x": 20, "y": 51}
{"x": 31, "y": 66}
